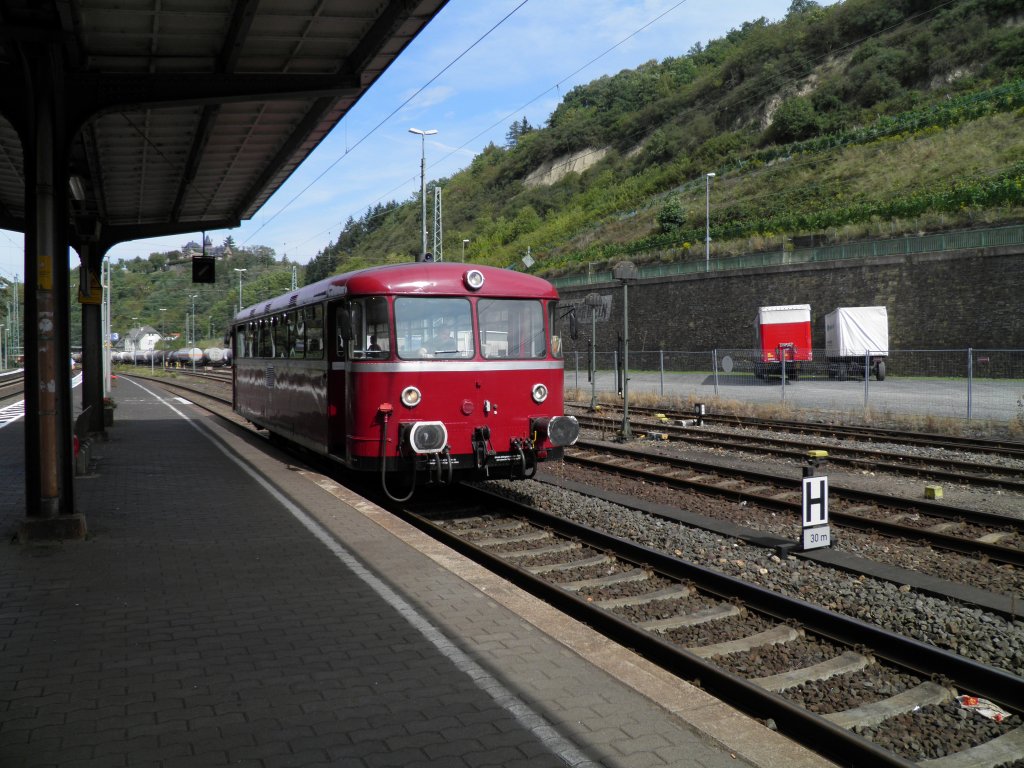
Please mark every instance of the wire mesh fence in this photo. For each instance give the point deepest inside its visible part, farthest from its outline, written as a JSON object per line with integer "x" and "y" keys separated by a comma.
{"x": 969, "y": 384}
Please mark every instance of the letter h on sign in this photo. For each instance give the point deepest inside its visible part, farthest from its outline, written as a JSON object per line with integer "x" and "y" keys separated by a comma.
{"x": 815, "y": 501}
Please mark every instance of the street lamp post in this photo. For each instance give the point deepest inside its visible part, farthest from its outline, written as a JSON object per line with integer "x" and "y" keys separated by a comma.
{"x": 594, "y": 302}
{"x": 423, "y": 183}
{"x": 625, "y": 271}
{"x": 464, "y": 242}
{"x": 163, "y": 358}
{"x": 240, "y": 271}
{"x": 707, "y": 221}
{"x": 191, "y": 352}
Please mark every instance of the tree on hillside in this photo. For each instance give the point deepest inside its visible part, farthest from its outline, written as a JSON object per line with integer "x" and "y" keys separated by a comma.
{"x": 671, "y": 216}
{"x": 320, "y": 266}
{"x": 516, "y": 131}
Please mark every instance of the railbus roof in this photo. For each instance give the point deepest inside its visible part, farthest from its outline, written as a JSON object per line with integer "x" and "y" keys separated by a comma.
{"x": 414, "y": 278}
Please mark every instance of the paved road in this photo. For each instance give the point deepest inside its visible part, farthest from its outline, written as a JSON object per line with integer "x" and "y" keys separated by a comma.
{"x": 998, "y": 400}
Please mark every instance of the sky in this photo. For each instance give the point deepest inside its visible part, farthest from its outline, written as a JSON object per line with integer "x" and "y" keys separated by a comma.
{"x": 476, "y": 68}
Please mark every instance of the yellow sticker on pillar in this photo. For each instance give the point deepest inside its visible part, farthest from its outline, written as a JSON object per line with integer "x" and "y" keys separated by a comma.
{"x": 89, "y": 289}
{"x": 45, "y": 272}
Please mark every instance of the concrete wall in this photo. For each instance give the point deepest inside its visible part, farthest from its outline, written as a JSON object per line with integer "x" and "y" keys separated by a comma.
{"x": 948, "y": 300}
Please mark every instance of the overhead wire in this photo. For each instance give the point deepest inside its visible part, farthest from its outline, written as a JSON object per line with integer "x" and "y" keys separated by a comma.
{"x": 391, "y": 114}
{"x": 795, "y": 72}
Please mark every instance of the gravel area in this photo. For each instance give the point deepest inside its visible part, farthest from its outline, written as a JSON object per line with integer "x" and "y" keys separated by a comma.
{"x": 993, "y": 577}
{"x": 971, "y": 632}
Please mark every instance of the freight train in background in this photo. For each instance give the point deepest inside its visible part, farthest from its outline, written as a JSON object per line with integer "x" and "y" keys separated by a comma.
{"x": 211, "y": 357}
{"x": 418, "y": 372}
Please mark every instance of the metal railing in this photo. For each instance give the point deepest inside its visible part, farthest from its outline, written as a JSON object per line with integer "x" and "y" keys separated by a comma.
{"x": 943, "y": 241}
{"x": 968, "y": 384}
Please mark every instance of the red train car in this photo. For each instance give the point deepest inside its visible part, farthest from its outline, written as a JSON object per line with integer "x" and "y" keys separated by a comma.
{"x": 432, "y": 371}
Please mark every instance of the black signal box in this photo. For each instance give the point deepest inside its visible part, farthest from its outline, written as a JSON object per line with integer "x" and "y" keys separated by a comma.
{"x": 204, "y": 269}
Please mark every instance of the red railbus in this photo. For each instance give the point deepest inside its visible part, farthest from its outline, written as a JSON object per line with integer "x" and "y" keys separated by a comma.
{"x": 419, "y": 371}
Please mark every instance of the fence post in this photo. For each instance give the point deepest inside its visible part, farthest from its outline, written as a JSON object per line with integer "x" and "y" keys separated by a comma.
{"x": 661, "y": 365}
{"x": 970, "y": 379}
{"x": 867, "y": 376}
{"x": 714, "y": 364}
{"x": 782, "y": 369}
{"x": 618, "y": 375}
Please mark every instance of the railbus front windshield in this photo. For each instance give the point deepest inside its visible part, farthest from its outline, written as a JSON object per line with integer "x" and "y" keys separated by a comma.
{"x": 427, "y": 328}
{"x": 511, "y": 328}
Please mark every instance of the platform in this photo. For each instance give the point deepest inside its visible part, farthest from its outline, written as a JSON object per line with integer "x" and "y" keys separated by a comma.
{"x": 229, "y": 607}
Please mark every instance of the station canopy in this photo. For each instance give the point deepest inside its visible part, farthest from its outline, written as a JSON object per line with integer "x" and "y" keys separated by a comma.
{"x": 188, "y": 114}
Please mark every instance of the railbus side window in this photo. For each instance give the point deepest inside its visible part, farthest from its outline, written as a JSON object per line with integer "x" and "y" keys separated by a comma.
{"x": 296, "y": 334}
{"x": 240, "y": 347}
{"x": 266, "y": 338}
{"x": 280, "y": 323}
{"x": 511, "y": 328}
{"x": 314, "y": 321}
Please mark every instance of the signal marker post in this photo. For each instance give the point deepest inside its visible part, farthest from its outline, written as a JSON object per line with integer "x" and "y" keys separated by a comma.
{"x": 814, "y": 506}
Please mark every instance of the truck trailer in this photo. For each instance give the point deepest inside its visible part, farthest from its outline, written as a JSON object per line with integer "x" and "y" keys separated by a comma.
{"x": 782, "y": 334}
{"x": 857, "y": 338}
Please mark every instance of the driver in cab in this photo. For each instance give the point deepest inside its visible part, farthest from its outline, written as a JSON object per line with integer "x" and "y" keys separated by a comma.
{"x": 445, "y": 340}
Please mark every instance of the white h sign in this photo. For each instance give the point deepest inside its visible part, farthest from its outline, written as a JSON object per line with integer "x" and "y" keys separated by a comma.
{"x": 814, "y": 507}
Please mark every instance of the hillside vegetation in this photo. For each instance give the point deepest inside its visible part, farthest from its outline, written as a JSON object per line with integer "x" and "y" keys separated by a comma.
{"x": 865, "y": 118}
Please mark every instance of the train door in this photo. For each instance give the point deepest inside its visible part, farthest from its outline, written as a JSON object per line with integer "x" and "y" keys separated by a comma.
{"x": 337, "y": 392}
{"x": 365, "y": 325}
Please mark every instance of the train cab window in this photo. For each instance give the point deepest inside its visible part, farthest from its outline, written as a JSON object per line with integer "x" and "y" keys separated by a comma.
{"x": 313, "y": 319}
{"x": 434, "y": 328}
{"x": 556, "y": 336}
{"x": 371, "y": 328}
{"x": 511, "y": 328}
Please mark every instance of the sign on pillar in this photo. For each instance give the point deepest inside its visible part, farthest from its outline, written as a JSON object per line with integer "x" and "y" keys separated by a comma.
{"x": 814, "y": 506}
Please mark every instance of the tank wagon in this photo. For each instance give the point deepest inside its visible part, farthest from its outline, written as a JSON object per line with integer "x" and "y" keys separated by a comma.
{"x": 422, "y": 371}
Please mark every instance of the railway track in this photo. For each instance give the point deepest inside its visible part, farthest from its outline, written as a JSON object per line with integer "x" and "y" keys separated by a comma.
{"x": 935, "y": 467}
{"x": 993, "y": 446}
{"x": 11, "y": 385}
{"x": 966, "y": 531}
{"x": 850, "y": 690}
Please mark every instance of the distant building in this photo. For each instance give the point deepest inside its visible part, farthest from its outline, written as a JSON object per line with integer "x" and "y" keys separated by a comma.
{"x": 142, "y": 339}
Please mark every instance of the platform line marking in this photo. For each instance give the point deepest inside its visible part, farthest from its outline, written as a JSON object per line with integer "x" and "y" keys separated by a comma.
{"x": 533, "y": 722}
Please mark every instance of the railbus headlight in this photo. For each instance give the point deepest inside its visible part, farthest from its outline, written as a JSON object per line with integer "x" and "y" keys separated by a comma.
{"x": 474, "y": 279}
{"x": 560, "y": 430}
{"x": 427, "y": 436}
{"x": 411, "y": 397}
{"x": 540, "y": 393}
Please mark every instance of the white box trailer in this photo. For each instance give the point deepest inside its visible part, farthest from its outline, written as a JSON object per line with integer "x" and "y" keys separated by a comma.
{"x": 855, "y": 337}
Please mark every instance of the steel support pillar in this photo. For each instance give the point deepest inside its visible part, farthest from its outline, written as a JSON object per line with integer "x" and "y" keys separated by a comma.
{"x": 49, "y": 470}
{"x": 92, "y": 334}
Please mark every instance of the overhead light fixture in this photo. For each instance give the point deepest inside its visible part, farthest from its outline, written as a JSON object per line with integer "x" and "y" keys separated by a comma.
{"x": 77, "y": 188}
